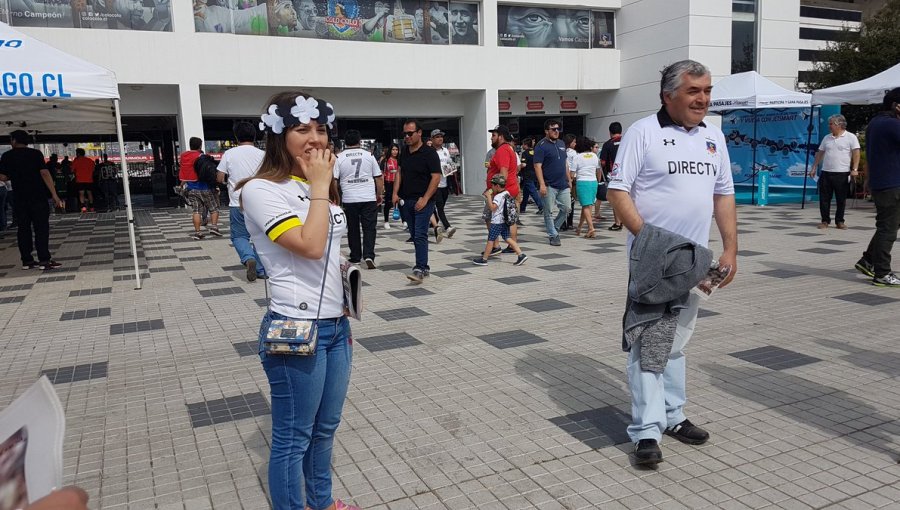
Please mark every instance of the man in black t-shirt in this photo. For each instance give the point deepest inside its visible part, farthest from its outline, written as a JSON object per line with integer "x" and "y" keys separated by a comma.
{"x": 607, "y": 159}
{"x": 416, "y": 184}
{"x": 529, "y": 177}
{"x": 27, "y": 170}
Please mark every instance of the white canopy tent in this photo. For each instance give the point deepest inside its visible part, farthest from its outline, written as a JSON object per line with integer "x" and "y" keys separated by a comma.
{"x": 868, "y": 91}
{"x": 752, "y": 91}
{"x": 47, "y": 91}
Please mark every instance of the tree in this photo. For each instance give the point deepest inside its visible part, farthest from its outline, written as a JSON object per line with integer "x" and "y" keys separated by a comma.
{"x": 853, "y": 57}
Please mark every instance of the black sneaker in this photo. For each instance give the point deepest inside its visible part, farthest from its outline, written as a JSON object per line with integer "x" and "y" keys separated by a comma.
{"x": 409, "y": 240}
{"x": 30, "y": 265}
{"x": 539, "y": 211}
{"x": 197, "y": 236}
{"x": 495, "y": 251}
{"x": 50, "y": 264}
{"x": 688, "y": 433}
{"x": 215, "y": 231}
{"x": 647, "y": 452}
{"x": 370, "y": 263}
{"x": 865, "y": 267}
{"x": 508, "y": 249}
{"x": 480, "y": 261}
{"x": 520, "y": 260}
{"x": 251, "y": 270}
{"x": 888, "y": 280}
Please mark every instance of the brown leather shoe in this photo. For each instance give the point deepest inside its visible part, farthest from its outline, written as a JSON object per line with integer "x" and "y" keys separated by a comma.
{"x": 842, "y": 226}
{"x": 822, "y": 225}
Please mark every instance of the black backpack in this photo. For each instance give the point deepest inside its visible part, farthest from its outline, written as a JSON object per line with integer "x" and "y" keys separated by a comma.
{"x": 207, "y": 169}
{"x": 510, "y": 210}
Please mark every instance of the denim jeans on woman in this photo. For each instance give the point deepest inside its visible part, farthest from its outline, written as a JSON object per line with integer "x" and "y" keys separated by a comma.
{"x": 308, "y": 394}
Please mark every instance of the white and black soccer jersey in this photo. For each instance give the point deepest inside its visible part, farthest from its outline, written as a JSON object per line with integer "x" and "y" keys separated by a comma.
{"x": 672, "y": 174}
{"x": 356, "y": 170}
{"x": 273, "y": 208}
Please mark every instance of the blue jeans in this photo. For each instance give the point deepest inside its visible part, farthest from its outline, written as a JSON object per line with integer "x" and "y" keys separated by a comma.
{"x": 529, "y": 189}
{"x": 418, "y": 222}
{"x": 562, "y": 199}
{"x": 308, "y": 394}
{"x": 657, "y": 400}
{"x": 240, "y": 238}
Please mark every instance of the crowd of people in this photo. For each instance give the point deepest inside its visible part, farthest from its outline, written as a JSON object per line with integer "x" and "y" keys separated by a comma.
{"x": 291, "y": 204}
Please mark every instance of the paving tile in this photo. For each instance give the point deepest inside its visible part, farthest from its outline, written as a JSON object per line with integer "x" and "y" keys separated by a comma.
{"x": 750, "y": 253}
{"x": 775, "y": 358}
{"x": 549, "y": 256}
{"x": 781, "y": 273}
{"x": 214, "y": 279}
{"x": 395, "y": 267}
{"x": 706, "y": 313}
{"x": 601, "y": 251}
{"x": 236, "y": 267}
{"x": 401, "y": 313}
{"x": 836, "y": 242}
{"x": 408, "y": 293}
{"x": 388, "y": 342}
{"x": 134, "y": 327}
{"x": 865, "y": 298}
{"x": 515, "y": 280}
{"x": 90, "y": 292}
{"x": 10, "y": 288}
{"x": 85, "y": 314}
{"x": 166, "y": 269}
{"x": 448, "y": 273}
{"x": 509, "y": 339}
{"x": 126, "y": 277}
{"x": 70, "y": 374}
{"x": 223, "y": 410}
{"x": 804, "y": 234}
{"x": 11, "y": 299}
{"x": 221, "y": 292}
{"x": 196, "y": 259}
{"x": 246, "y": 348}
{"x": 558, "y": 267}
{"x": 545, "y": 305}
{"x": 264, "y": 301}
{"x": 820, "y": 251}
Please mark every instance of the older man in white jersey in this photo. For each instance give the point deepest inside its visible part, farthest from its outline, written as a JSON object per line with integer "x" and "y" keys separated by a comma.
{"x": 673, "y": 171}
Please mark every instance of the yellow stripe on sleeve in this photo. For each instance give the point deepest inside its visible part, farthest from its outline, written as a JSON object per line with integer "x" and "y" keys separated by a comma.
{"x": 283, "y": 226}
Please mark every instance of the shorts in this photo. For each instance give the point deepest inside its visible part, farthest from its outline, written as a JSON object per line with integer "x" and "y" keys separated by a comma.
{"x": 205, "y": 200}
{"x": 84, "y": 186}
{"x": 587, "y": 192}
{"x": 601, "y": 191}
{"x": 498, "y": 230}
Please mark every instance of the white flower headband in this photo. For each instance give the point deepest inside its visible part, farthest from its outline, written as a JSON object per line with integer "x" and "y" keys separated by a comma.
{"x": 301, "y": 110}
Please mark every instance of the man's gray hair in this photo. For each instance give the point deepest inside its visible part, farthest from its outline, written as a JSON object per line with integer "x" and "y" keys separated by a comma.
{"x": 838, "y": 119}
{"x": 673, "y": 76}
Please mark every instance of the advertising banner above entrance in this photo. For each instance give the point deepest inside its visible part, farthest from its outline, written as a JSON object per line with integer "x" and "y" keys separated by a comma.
{"x": 400, "y": 21}
{"x": 527, "y": 26}
{"x": 144, "y": 15}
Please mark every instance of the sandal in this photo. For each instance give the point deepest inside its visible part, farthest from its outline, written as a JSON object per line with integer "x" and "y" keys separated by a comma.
{"x": 578, "y": 232}
{"x": 590, "y": 234}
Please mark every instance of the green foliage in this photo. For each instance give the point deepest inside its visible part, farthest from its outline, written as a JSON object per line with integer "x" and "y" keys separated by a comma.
{"x": 850, "y": 58}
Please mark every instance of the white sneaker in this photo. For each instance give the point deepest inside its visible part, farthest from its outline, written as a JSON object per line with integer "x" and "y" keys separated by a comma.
{"x": 403, "y": 223}
{"x": 450, "y": 232}
{"x": 387, "y": 226}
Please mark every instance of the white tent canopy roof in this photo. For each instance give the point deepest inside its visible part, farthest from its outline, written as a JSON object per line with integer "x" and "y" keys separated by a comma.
{"x": 868, "y": 91}
{"x": 751, "y": 91}
{"x": 53, "y": 92}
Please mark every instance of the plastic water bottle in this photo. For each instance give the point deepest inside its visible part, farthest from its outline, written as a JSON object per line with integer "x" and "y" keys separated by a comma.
{"x": 396, "y": 214}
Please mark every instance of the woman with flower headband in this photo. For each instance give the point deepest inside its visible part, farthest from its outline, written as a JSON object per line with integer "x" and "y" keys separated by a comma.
{"x": 297, "y": 227}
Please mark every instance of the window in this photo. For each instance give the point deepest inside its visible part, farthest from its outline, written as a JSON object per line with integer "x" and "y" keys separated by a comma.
{"x": 743, "y": 36}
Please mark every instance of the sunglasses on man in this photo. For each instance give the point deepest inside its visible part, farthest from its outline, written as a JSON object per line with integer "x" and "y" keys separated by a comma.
{"x": 409, "y": 133}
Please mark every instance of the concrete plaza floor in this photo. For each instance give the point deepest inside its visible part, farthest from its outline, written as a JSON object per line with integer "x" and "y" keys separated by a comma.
{"x": 485, "y": 387}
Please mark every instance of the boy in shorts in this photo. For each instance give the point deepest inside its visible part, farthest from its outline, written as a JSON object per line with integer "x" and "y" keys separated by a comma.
{"x": 495, "y": 198}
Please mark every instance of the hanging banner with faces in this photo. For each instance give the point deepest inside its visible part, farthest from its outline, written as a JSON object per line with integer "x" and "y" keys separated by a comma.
{"x": 144, "y": 15}
{"x": 528, "y": 26}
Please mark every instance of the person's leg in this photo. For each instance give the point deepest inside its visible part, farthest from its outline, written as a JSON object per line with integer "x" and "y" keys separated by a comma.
{"x": 388, "y": 193}
{"x": 841, "y": 190}
{"x": 564, "y": 202}
{"x": 439, "y": 203}
{"x": 648, "y": 404}
{"x": 420, "y": 234}
{"x": 297, "y": 385}
{"x": 550, "y": 201}
{"x": 825, "y": 191}
{"x": 337, "y": 357}
{"x": 212, "y": 206}
{"x": 240, "y": 238}
{"x": 538, "y": 201}
{"x": 81, "y": 196}
{"x": 3, "y": 193}
{"x": 674, "y": 373}
{"x": 369, "y": 217}
{"x": 353, "y": 241}
{"x": 40, "y": 219}
{"x": 90, "y": 196}
{"x": 24, "y": 235}
{"x": 887, "y": 221}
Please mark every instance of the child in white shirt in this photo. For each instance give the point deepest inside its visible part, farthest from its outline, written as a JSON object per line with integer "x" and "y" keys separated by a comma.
{"x": 496, "y": 200}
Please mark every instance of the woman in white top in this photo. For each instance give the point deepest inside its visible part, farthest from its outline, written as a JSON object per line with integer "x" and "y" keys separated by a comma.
{"x": 296, "y": 226}
{"x": 586, "y": 169}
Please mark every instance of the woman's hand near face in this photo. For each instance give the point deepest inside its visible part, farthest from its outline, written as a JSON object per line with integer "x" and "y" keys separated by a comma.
{"x": 319, "y": 168}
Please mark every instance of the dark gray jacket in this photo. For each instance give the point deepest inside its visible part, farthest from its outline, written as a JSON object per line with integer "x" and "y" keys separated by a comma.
{"x": 663, "y": 268}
